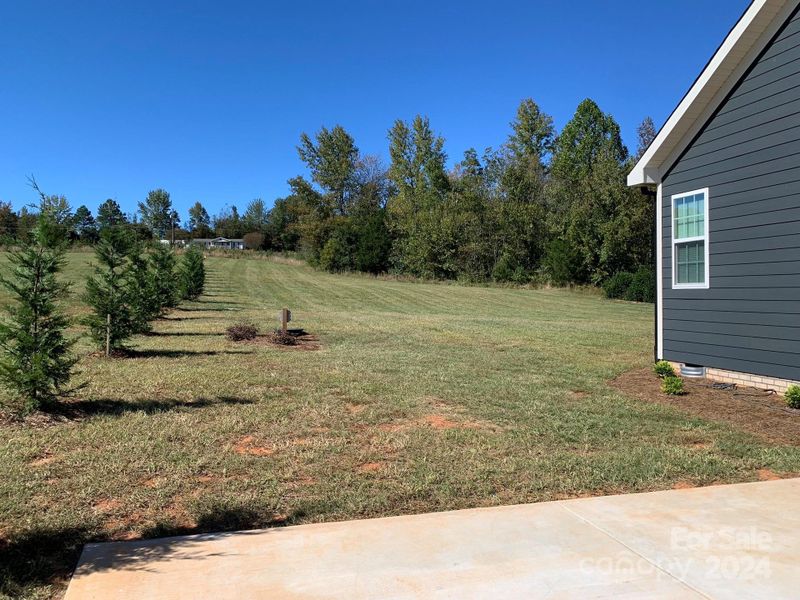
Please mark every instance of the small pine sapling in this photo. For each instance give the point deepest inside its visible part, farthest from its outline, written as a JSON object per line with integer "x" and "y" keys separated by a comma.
{"x": 111, "y": 321}
{"x": 164, "y": 277}
{"x": 36, "y": 361}
{"x": 192, "y": 274}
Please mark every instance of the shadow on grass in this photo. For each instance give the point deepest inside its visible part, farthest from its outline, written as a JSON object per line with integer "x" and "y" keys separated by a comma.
{"x": 179, "y": 334}
{"x": 78, "y": 409}
{"x": 45, "y": 556}
{"x": 220, "y": 302}
{"x": 202, "y": 309}
{"x": 180, "y": 353}
{"x": 187, "y": 318}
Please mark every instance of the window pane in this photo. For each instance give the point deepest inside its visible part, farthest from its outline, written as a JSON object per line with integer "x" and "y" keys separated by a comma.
{"x": 690, "y": 262}
{"x": 683, "y": 273}
{"x": 689, "y": 216}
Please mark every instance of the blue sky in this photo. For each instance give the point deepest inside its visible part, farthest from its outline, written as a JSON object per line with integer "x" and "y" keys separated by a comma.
{"x": 207, "y": 99}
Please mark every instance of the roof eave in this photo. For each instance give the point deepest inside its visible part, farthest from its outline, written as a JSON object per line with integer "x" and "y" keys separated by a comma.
{"x": 743, "y": 44}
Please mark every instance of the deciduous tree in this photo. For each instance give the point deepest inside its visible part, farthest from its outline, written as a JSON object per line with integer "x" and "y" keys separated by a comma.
{"x": 156, "y": 212}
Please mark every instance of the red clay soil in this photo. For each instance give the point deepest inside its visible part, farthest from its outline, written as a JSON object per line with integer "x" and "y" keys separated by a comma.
{"x": 756, "y": 411}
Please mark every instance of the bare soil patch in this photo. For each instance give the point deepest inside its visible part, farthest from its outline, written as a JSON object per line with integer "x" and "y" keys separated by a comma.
{"x": 107, "y": 505}
{"x": 355, "y": 409}
{"x": 371, "y": 467}
{"x": 433, "y": 421}
{"x": 768, "y": 475}
{"x": 683, "y": 485}
{"x": 43, "y": 460}
{"x": 756, "y": 411}
{"x": 247, "y": 446}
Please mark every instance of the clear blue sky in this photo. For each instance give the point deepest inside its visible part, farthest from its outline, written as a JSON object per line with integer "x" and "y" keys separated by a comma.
{"x": 104, "y": 99}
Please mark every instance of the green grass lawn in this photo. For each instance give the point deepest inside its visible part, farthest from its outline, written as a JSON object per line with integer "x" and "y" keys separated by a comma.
{"x": 422, "y": 397}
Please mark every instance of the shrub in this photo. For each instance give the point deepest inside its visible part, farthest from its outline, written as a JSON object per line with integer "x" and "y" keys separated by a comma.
{"x": 616, "y": 286}
{"x": 373, "y": 244}
{"x": 562, "y": 263}
{"x": 642, "y": 287}
{"x": 335, "y": 256}
{"x": 664, "y": 369}
{"x": 672, "y": 386}
{"x": 241, "y": 332}
{"x": 508, "y": 270}
{"x": 793, "y": 396}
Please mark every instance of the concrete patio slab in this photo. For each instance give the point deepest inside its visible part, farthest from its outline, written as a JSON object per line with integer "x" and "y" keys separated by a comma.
{"x": 720, "y": 542}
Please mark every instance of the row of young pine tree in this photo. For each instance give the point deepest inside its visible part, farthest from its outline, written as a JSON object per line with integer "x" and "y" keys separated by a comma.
{"x": 132, "y": 285}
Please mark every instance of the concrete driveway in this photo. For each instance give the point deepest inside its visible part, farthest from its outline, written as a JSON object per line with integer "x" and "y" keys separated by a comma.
{"x": 737, "y": 541}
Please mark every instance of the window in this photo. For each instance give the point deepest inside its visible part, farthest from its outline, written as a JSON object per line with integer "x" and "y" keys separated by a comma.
{"x": 690, "y": 240}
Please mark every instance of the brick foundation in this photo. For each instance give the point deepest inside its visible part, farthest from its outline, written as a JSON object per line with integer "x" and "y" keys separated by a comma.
{"x": 761, "y": 382}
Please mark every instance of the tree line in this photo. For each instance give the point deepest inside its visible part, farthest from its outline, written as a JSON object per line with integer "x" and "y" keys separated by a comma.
{"x": 544, "y": 207}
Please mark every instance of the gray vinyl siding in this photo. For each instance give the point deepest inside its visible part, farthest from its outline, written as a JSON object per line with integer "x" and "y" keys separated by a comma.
{"x": 748, "y": 156}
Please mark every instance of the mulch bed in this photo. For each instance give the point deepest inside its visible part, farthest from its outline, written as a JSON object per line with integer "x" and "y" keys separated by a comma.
{"x": 294, "y": 339}
{"x": 756, "y": 411}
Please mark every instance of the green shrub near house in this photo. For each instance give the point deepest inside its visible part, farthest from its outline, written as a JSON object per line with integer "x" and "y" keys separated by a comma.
{"x": 792, "y": 396}
{"x": 672, "y": 386}
{"x": 664, "y": 369}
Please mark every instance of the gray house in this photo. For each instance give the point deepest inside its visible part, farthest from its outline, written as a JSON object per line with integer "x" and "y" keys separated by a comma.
{"x": 725, "y": 169}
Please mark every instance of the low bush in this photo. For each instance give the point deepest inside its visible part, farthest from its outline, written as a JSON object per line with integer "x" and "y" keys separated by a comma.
{"x": 335, "y": 255}
{"x": 792, "y": 396}
{"x": 643, "y": 286}
{"x": 672, "y": 386}
{"x": 508, "y": 270}
{"x": 616, "y": 286}
{"x": 634, "y": 287}
{"x": 241, "y": 332}
{"x": 664, "y": 369}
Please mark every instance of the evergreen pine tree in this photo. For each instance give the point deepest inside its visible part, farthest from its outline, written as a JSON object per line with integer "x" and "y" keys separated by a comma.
{"x": 107, "y": 292}
{"x": 164, "y": 280}
{"x": 141, "y": 289}
{"x": 36, "y": 361}
{"x": 192, "y": 274}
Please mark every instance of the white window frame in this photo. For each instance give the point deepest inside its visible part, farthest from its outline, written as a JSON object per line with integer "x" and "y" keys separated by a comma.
{"x": 701, "y": 238}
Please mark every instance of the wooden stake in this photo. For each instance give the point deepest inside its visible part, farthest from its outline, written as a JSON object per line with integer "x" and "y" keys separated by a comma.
{"x": 108, "y": 334}
{"x": 284, "y": 319}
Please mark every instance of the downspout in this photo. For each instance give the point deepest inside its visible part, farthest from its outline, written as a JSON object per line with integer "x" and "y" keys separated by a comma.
{"x": 652, "y": 195}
